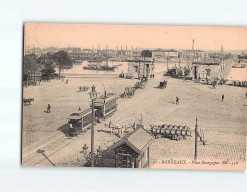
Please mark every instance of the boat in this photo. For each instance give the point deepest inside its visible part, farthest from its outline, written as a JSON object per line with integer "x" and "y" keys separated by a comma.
{"x": 95, "y": 60}
{"x": 100, "y": 67}
{"x": 239, "y": 66}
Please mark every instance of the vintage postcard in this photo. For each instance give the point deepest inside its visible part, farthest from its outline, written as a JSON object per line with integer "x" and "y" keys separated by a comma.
{"x": 134, "y": 96}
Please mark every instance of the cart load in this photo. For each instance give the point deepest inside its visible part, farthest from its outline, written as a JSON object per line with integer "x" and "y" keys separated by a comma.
{"x": 174, "y": 132}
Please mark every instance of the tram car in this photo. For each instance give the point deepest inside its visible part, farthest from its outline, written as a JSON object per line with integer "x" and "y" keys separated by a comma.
{"x": 106, "y": 105}
{"x": 79, "y": 122}
{"x": 174, "y": 132}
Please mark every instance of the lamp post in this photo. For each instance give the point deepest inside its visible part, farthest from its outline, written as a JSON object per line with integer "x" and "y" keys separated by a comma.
{"x": 93, "y": 96}
{"x": 196, "y": 135}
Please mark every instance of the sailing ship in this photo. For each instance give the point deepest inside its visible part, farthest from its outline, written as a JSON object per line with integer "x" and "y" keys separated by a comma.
{"x": 239, "y": 66}
{"x": 98, "y": 66}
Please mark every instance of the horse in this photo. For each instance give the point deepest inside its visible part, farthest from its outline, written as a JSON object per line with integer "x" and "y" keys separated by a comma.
{"x": 29, "y": 100}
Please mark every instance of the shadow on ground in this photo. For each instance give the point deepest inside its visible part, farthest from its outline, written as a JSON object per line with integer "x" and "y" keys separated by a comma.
{"x": 107, "y": 159}
{"x": 64, "y": 128}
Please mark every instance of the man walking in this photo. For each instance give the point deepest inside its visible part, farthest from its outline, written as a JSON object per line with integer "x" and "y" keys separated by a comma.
{"x": 222, "y": 97}
{"x": 177, "y": 101}
{"x": 49, "y": 108}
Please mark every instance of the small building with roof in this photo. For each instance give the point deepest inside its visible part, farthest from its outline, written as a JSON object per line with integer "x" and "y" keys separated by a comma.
{"x": 133, "y": 150}
{"x": 206, "y": 70}
{"x": 138, "y": 67}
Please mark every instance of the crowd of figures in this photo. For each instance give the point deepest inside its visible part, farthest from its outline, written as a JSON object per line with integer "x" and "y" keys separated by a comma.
{"x": 130, "y": 91}
{"x": 121, "y": 130}
{"x": 83, "y": 88}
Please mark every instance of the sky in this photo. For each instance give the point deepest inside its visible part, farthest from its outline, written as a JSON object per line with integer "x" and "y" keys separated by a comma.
{"x": 141, "y": 36}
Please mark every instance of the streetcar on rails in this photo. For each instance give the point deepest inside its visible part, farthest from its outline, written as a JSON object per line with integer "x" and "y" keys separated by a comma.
{"x": 81, "y": 121}
{"x": 106, "y": 105}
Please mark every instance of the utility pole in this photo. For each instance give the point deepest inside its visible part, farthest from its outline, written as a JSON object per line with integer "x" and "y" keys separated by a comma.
{"x": 167, "y": 61}
{"x": 193, "y": 50}
{"x": 179, "y": 59}
{"x": 187, "y": 58}
{"x": 222, "y": 58}
{"x": 196, "y": 135}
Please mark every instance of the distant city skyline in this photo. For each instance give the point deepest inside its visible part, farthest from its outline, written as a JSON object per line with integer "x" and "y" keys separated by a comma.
{"x": 141, "y": 36}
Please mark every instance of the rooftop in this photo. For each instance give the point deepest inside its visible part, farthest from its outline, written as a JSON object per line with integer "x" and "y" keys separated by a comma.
{"x": 138, "y": 140}
{"x": 206, "y": 63}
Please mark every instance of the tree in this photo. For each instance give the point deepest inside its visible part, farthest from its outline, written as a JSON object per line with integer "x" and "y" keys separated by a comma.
{"x": 30, "y": 66}
{"x": 46, "y": 63}
{"x": 186, "y": 71}
{"x": 146, "y": 54}
{"x": 62, "y": 61}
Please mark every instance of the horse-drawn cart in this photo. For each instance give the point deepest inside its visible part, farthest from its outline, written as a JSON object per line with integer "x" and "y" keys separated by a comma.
{"x": 27, "y": 100}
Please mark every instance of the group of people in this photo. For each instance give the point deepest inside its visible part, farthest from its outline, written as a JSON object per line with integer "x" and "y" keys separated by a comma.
{"x": 115, "y": 129}
{"x": 83, "y": 88}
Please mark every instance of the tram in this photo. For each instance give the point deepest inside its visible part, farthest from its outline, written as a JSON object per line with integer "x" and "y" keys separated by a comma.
{"x": 79, "y": 121}
{"x": 106, "y": 105}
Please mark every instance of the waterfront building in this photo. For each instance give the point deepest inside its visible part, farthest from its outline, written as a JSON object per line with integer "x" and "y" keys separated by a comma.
{"x": 206, "y": 70}
{"x": 138, "y": 67}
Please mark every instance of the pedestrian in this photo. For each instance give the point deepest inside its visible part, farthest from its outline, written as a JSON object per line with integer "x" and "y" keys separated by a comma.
{"x": 79, "y": 108}
{"x": 80, "y": 88}
{"x": 214, "y": 83}
{"x": 246, "y": 94}
{"x": 177, "y": 100}
{"x": 222, "y": 97}
{"x": 134, "y": 126}
{"x": 49, "y": 108}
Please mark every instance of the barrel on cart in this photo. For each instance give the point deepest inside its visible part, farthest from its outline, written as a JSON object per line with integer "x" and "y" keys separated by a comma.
{"x": 174, "y": 132}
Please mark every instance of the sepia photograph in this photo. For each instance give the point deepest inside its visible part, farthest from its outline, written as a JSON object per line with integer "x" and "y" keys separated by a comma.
{"x": 134, "y": 96}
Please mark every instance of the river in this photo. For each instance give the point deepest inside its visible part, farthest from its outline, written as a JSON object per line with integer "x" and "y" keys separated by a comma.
{"x": 78, "y": 71}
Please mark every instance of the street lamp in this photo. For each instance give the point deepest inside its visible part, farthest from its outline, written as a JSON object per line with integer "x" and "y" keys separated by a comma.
{"x": 93, "y": 96}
